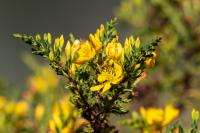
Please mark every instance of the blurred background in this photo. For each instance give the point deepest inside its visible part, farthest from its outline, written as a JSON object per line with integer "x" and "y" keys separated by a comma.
{"x": 176, "y": 75}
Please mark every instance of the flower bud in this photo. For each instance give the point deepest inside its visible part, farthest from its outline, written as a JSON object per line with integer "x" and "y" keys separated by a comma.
{"x": 51, "y": 55}
{"x": 56, "y": 44}
{"x": 45, "y": 37}
{"x": 68, "y": 51}
{"x": 37, "y": 37}
{"x": 39, "y": 112}
{"x": 137, "y": 66}
{"x": 49, "y": 38}
{"x": 128, "y": 44}
{"x": 137, "y": 43}
{"x": 114, "y": 50}
{"x": 61, "y": 42}
{"x": 195, "y": 115}
{"x": 95, "y": 41}
{"x": 101, "y": 31}
{"x": 127, "y": 47}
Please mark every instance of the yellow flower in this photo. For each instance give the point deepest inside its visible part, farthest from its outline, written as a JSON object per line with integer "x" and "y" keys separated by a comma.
{"x": 82, "y": 52}
{"x": 21, "y": 108}
{"x": 114, "y": 50}
{"x": 39, "y": 111}
{"x": 170, "y": 114}
{"x": 158, "y": 117}
{"x": 112, "y": 74}
{"x": 152, "y": 115}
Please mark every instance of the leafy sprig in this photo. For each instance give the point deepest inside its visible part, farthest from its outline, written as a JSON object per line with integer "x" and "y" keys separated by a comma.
{"x": 94, "y": 106}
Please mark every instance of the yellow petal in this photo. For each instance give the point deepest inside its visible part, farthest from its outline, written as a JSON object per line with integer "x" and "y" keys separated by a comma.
{"x": 170, "y": 114}
{"x": 152, "y": 115}
{"x": 95, "y": 41}
{"x": 97, "y": 87}
{"x": 118, "y": 69}
{"x": 106, "y": 87}
{"x": 117, "y": 80}
{"x": 102, "y": 77}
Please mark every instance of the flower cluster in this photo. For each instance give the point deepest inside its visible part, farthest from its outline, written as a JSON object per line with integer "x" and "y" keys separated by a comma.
{"x": 101, "y": 72}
